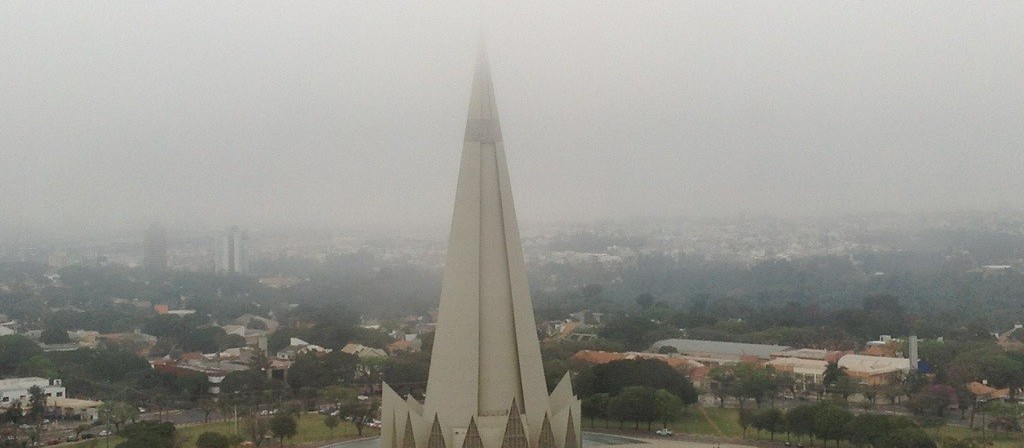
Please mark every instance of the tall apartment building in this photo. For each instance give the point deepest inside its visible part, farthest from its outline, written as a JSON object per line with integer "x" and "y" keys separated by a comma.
{"x": 232, "y": 252}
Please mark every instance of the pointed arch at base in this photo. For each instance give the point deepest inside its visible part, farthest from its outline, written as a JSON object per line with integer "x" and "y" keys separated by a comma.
{"x": 570, "y": 434}
{"x": 472, "y": 436}
{"x": 515, "y": 435}
{"x": 409, "y": 440}
{"x": 436, "y": 439}
{"x": 547, "y": 438}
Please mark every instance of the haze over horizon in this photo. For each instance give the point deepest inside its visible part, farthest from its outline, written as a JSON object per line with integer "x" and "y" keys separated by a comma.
{"x": 204, "y": 115}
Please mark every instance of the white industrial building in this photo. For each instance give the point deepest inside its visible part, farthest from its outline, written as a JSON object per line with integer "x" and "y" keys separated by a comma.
{"x": 16, "y": 389}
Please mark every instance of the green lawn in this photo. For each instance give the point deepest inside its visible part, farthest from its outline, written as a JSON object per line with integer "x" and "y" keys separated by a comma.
{"x": 311, "y": 429}
{"x": 998, "y": 439}
{"x": 718, "y": 422}
{"x": 98, "y": 442}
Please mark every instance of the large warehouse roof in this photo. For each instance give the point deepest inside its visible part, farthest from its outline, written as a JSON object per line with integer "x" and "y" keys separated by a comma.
{"x": 718, "y": 348}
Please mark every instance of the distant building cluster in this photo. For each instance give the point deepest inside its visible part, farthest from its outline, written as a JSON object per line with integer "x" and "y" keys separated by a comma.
{"x": 696, "y": 358}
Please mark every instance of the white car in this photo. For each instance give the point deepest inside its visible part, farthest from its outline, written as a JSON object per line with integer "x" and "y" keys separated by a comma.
{"x": 663, "y": 432}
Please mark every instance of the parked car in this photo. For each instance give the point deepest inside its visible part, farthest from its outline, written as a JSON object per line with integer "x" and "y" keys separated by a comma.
{"x": 663, "y": 432}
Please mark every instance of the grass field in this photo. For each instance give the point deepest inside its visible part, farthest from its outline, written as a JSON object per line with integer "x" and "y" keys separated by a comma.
{"x": 311, "y": 429}
{"x": 695, "y": 420}
{"x": 998, "y": 439}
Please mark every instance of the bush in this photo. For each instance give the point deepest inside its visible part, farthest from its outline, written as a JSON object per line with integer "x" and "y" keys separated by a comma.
{"x": 148, "y": 434}
{"x": 211, "y": 439}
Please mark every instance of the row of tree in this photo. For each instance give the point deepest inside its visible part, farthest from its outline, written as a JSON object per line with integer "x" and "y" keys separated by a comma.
{"x": 828, "y": 421}
{"x": 636, "y": 404}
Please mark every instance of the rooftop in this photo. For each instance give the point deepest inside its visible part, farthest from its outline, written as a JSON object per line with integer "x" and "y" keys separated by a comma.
{"x": 728, "y": 349}
{"x": 874, "y": 365}
{"x": 23, "y": 382}
{"x": 799, "y": 362}
{"x": 804, "y": 353}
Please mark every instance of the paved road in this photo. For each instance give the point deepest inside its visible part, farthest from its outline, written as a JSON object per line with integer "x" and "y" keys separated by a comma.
{"x": 589, "y": 440}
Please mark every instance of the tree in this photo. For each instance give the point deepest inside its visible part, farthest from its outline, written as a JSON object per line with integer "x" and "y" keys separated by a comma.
{"x": 633, "y": 331}
{"x": 554, "y": 371}
{"x": 932, "y": 401}
{"x": 870, "y": 392}
{"x": 844, "y": 387}
{"x": 830, "y": 421}
{"x": 746, "y": 419}
{"x": 283, "y": 426}
{"x": 14, "y": 413}
{"x": 645, "y": 300}
{"x": 1003, "y": 415}
{"x": 207, "y": 405}
{"x": 40, "y": 366}
{"x": 79, "y": 429}
{"x": 636, "y": 404}
{"x": 256, "y": 428}
{"x": 753, "y": 382}
{"x": 669, "y": 406}
{"x": 667, "y": 350}
{"x": 909, "y": 437}
{"x": 316, "y": 370}
{"x": 721, "y": 383}
{"x": 331, "y": 422}
{"x": 614, "y": 376}
{"x": 148, "y": 434}
{"x": 770, "y": 420}
{"x": 800, "y": 421}
{"x": 360, "y": 412}
{"x": 212, "y": 439}
{"x": 595, "y": 406}
{"x": 53, "y": 335}
{"x": 832, "y": 373}
{"x": 117, "y": 413}
{"x": 36, "y": 405}
{"x": 15, "y": 349}
{"x": 868, "y": 429}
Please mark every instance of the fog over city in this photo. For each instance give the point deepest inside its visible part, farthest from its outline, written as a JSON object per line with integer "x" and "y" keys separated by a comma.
{"x": 351, "y": 115}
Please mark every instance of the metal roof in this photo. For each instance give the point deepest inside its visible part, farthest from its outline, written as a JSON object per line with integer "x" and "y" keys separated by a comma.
{"x": 729, "y": 349}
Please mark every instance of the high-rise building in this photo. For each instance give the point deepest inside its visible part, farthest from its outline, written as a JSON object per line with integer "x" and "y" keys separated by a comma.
{"x": 486, "y": 386}
{"x": 154, "y": 248}
{"x": 232, "y": 252}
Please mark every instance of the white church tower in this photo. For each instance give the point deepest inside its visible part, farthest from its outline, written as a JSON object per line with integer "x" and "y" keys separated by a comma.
{"x": 486, "y": 387}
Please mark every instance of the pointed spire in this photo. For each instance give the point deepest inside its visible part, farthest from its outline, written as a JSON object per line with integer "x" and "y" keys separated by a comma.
{"x": 486, "y": 348}
{"x": 482, "y": 123}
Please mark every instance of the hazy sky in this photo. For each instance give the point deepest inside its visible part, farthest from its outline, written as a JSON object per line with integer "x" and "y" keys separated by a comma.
{"x": 116, "y": 114}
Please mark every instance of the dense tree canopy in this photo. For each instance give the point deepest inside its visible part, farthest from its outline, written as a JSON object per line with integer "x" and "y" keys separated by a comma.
{"x": 616, "y": 375}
